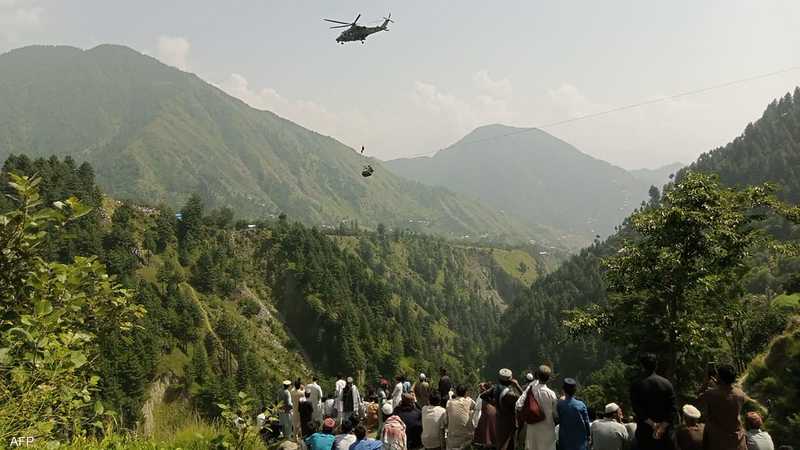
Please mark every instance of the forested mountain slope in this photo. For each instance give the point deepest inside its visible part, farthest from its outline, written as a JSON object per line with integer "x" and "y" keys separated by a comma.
{"x": 235, "y": 308}
{"x": 534, "y": 175}
{"x": 155, "y": 133}
{"x": 767, "y": 151}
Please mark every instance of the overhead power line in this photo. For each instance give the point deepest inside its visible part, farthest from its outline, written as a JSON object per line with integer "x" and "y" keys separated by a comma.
{"x": 622, "y": 108}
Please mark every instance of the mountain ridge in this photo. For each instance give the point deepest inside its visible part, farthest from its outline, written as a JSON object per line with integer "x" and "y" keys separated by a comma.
{"x": 157, "y": 133}
{"x": 534, "y": 175}
{"x": 659, "y": 176}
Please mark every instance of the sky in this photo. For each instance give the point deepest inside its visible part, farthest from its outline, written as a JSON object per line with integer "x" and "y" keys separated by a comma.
{"x": 447, "y": 67}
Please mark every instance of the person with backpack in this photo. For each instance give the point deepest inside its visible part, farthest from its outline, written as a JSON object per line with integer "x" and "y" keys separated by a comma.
{"x": 536, "y": 408}
{"x": 393, "y": 434}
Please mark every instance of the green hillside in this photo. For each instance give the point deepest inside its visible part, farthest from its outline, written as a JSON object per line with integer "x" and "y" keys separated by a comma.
{"x": 233, "y": 308}
{"x": 768, "y": 285}
{"x": 155, "y": 133}
{"x": 767, "y": 150}
{"x": 534, "y": 175}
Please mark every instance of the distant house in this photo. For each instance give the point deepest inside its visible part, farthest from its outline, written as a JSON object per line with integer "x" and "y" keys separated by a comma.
{"x": 179, "y": 216}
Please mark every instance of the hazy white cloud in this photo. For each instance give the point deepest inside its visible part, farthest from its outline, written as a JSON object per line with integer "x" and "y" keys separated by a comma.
{"x": 18, "y": 17}
{"x": 490, "y": 103}
{"x": 644, "y": 136}
{"x": 500, "y": 89}
{"x": 301, "y": 111}
{"x": 349, "y": 127}
{"x": 568, "y": 101}
{"x": 174, "y": 51}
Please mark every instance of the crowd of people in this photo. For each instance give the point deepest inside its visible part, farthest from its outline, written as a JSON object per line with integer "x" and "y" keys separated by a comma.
{"x": 505, "y": 415}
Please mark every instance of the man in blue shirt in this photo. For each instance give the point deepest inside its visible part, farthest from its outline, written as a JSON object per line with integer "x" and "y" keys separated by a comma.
{"x": 363, "y": 442}
{"x": 573, "y": 418}
{"x": 322, "y": 440}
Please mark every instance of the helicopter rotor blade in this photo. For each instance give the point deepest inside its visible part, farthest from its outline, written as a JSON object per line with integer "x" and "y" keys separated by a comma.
{"x": 336, "y": 21}
{"x": 342, "y": 26}
{"x": 359, "y": 16}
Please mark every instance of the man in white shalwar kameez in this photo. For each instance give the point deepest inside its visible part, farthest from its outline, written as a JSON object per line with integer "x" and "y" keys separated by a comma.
{"x": 541, "y": 435}
{"x": 397, "y": 394}
{"x": 315, "y": 398}
{"x": 339, "y": 385}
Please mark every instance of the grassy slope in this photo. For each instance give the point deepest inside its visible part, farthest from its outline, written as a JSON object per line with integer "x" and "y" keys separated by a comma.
{"x": 510, "y": 261}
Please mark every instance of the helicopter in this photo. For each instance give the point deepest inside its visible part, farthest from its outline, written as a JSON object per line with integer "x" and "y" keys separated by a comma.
{"x": 356, "y": 32}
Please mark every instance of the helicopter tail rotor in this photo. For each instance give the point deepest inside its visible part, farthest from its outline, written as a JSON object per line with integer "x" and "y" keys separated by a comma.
{"x": 386, "y": 21}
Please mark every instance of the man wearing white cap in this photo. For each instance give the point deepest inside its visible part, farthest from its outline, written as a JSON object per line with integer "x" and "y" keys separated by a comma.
{"x": 285, "y": 414}
{"x": 609, "y": 433}
{"x": 689, "y": 436}
{"x": 349, "y": 401}
{"x": 529, "y": 378}
{"x": 393, "y": 433}
{"x": 422, "y": 390}
{"x": 504, "y": 396}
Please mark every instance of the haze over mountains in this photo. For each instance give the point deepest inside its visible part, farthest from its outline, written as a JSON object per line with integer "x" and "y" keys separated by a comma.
{"x": 658, "y": 176}
{"x": 155, "y": 133}
{"x": 532, "y": 174}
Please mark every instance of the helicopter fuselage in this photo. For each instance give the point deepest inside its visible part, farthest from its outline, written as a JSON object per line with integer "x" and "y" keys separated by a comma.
{"x": 358, "y": 33}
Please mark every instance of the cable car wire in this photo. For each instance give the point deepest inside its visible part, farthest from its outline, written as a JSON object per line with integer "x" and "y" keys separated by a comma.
{"x": 621, "y": 108}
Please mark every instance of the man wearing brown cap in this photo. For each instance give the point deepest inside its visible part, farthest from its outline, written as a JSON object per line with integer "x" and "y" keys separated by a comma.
{"x": 324, "y": 439}
{"x": 757, "y": 439}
